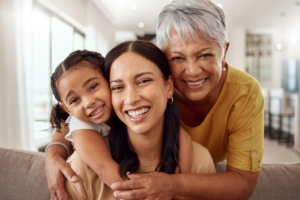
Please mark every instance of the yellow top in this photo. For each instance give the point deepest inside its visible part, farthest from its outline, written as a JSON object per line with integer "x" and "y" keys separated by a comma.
{"x": 234, "y": 127}
{"x": 91, "y": 187}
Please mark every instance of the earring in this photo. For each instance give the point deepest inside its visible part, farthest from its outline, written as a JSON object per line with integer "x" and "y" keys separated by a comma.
{"x": 224, "y": 67}
{"x": 170, "y": 101}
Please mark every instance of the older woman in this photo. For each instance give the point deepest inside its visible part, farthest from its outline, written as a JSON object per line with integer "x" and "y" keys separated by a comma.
{"x": 220, "y": 107}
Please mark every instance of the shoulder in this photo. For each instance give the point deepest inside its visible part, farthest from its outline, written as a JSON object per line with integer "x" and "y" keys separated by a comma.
{"x": 242, "y": 80}
{"x": 76, "y": 124}
{"x": 202, "y": 162}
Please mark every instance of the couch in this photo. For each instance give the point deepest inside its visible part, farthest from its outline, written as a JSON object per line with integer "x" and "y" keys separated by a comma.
{"x": 22, "y": 177}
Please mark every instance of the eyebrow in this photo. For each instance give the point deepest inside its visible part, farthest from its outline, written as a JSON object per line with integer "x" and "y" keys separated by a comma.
{"x": 196, "y": 53}
{"x": 135, "y": 77}
{"x": 84, "y": 84}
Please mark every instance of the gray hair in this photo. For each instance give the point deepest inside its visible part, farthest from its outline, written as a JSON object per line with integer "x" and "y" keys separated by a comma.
{"x": 187, "y": 18}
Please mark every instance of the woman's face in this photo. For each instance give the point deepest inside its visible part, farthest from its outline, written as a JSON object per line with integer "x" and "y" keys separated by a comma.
{"x": 139, "y": 92}
{"x": 195, "y": 67}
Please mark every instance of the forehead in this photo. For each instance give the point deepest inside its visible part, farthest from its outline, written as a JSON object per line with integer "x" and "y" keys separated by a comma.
{"x": 75, "y": 77}
{"x": 177, "y": 43}
{"x": 129, "y": 64}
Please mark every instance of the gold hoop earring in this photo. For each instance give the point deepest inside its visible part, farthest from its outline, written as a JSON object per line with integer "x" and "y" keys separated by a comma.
{"x": 170, "y": 101}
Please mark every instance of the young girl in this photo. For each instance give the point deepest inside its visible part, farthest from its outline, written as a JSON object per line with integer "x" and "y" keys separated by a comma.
{"x": 83, "y": 93}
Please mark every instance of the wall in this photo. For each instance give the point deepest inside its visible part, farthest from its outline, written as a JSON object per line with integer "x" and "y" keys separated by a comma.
{"x": 100, "y": 32}
{"x": 236, "y": 53}
{"x": 74, "y": 8}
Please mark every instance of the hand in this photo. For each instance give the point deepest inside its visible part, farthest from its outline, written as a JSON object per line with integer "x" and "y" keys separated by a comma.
{"x": 56, "y": 170}
{"x": 150, "y": 186}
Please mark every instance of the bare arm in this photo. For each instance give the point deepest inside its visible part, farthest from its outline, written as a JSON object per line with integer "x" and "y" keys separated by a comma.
{"x": 92, "y": 149}
{"x": 186, "y": 152}
{"x": 233, "y": 184}
{"x": 56, "y": 167}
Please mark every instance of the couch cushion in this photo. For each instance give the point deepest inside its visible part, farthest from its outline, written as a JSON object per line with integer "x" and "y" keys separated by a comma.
{"x": 22, "y": 175}
{"x": 278, "y": 181}
{"x": 275, "y": 181}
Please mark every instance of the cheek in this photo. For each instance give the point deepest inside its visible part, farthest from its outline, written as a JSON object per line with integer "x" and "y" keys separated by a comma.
{"x": 115, "y": 102}
{"x": 175, "y": 72}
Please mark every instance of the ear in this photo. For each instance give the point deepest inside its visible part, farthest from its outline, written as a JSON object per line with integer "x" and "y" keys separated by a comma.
{"x": 64, "y": 107}
{"x": 225, "y": 51}
{"x": 170, "y": 87}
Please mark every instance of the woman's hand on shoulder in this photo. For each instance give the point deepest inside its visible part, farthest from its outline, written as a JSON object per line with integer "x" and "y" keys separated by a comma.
{"x": 153, "y": 185}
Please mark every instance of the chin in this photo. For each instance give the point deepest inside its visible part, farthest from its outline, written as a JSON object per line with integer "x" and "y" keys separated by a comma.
{"x": 138, "y": 130}
{"x": 196, "y": 96}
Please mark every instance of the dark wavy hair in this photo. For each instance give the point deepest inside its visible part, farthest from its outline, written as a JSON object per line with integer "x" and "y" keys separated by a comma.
{"x": 58, "y": 114}
{"x": 121, "y": 150}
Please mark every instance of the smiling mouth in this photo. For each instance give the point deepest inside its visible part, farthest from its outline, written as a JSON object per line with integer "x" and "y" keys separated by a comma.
{"x": 137, "y": 113}
{"x": 196, "y": 83}
{"x": 97, "y": 111}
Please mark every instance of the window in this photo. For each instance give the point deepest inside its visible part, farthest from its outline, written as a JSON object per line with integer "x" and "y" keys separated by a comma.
{"x": 53, "y": 41}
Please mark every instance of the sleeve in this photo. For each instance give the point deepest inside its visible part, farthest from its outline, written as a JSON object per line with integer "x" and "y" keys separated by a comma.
{"x": 76, "y": 124}
{"x": 203, "y": 162}
{"x": 245, "y": 139}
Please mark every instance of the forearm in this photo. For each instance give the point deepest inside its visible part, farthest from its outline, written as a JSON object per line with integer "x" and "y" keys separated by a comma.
{"x": 94, "y": 151}
{"x": 228, "y": 185}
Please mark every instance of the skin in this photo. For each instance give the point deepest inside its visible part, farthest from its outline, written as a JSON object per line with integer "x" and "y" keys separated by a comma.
{"x": 81, "y": 90}
{"x": 192, "y": 62}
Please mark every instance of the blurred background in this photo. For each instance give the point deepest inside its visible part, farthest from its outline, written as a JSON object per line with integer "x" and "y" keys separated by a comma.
{"x": 36, "y": 35}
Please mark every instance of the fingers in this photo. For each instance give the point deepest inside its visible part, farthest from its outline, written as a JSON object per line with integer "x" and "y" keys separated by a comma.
{"x": 69, "y": 173}
{"x": 137, "y": 175}
{"x": 131, "y": 194}
{"x": 129, "y": 185}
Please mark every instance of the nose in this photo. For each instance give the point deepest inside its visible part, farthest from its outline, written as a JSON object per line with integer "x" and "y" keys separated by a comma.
{"x": 193, "y": 68}
{"x": 131, "y": 96}
{"x": 89, "y": 101}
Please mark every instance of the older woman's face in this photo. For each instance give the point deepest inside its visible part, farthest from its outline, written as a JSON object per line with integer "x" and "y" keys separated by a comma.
{"x": 196, "y": 67}
{"x": 139, "y": 92}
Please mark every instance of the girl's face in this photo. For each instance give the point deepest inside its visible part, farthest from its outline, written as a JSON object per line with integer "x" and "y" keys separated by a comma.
{"x": 85, "y": 94}
{"x": 139, "y": 93}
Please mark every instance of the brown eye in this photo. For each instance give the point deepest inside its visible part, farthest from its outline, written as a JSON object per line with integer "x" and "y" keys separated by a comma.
{"x": 177, "y": 58}
{"x": 144, "y": 81}
{"x": 94, "y": 87}
{"x": 74, "y": 100}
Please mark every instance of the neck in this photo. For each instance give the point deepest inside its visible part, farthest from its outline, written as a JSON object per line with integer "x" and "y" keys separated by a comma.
{"x": 148, "y": 146}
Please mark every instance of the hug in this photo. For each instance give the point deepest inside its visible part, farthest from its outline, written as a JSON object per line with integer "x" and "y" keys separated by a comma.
{"x": 149, "y": 122}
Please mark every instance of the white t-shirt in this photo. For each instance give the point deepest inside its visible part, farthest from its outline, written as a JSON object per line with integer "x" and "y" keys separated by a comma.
{"x": 75, "y": 124}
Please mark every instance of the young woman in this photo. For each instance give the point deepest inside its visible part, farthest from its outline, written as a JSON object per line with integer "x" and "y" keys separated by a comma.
{"x": 145, "y": 131}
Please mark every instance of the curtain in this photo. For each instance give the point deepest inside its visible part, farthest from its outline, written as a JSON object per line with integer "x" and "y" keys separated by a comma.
{"x": 16, "y": 105}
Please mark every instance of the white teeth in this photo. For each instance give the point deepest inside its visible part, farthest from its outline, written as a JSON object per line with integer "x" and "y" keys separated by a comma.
{"x": 138, "y": 113}
{"x": 97, "y": 111}
{"x": 196, "y": 83}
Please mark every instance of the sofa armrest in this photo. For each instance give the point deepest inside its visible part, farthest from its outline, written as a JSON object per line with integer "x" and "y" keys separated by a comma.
{"x": 22, "y": 175}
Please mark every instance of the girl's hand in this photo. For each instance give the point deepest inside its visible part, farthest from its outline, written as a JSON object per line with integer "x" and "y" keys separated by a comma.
{"x": 56, "y": 170}
{"x": 150, "y": 186}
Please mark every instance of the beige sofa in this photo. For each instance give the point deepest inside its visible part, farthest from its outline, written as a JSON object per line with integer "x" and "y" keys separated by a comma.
{"x": 22, "y": 177}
